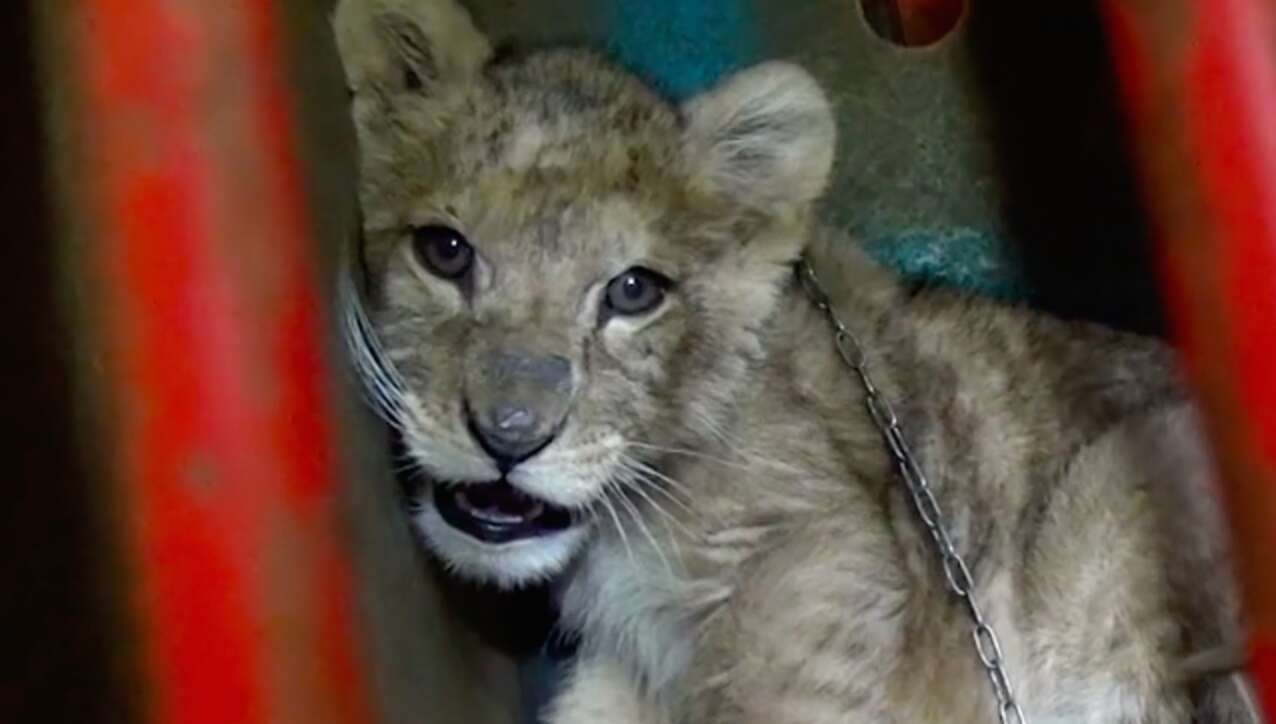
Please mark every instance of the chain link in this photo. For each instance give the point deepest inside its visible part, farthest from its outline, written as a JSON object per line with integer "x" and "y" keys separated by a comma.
{"x": 957, "y": 573}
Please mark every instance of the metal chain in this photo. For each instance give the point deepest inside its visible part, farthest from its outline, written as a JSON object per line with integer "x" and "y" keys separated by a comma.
{"x": 955, "y": 569}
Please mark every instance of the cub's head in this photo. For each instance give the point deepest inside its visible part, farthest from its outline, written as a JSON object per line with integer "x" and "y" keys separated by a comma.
{"x": 567, "y": 274}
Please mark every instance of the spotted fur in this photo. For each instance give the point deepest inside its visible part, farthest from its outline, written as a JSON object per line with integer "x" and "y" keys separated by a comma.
{"x": 750, "y": 555}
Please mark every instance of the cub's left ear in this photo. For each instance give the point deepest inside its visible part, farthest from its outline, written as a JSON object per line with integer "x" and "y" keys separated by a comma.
{"x": 414, "y": 47}
{"x": 765, "y": 138}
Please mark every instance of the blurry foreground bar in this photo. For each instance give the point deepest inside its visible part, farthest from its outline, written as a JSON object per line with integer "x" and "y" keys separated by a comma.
{"x": 264, "y": 571}
{"x": 1199, "y": 80}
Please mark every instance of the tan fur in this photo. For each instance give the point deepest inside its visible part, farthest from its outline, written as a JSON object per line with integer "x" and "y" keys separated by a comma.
{"x": 750, "y": 555}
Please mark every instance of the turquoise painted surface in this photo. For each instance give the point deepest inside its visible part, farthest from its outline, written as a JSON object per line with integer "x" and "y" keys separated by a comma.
{"x": 682, "y": 46}
{"x": 685, "y": 46}
{"x": 966, "y": 259}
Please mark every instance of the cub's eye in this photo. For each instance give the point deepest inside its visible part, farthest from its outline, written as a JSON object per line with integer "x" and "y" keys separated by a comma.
{"x": 636, "y": 291}
{"x": 443, "y": 251}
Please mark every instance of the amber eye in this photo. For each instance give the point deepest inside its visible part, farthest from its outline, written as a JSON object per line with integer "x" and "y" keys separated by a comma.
{"x": 636, "y": 291}
{"x": 443, "y": 251}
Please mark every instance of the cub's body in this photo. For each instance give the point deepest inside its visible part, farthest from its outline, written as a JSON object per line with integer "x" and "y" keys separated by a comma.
{"x": 740, "y": 545}
{"x": 805, "y": 588}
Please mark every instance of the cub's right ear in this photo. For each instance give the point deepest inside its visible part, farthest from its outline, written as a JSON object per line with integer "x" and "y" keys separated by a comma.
{"x": 417, "y": 46}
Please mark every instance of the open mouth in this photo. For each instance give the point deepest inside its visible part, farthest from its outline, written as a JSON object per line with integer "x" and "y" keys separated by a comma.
{"x": 498, "y": 512}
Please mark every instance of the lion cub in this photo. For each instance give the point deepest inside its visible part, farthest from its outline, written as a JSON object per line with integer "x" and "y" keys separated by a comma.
{"x": 584, "y": 323}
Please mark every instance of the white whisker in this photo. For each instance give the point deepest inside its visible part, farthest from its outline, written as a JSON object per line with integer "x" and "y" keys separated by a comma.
{"x": 653, "y": 478}
{"x": 634, "y": 480}
{"x": 642, "y": 526}
{"x": 748, "y": 461}
{"x": 619, "y": 528}
{"x": 405, "y": 464}
{"x": 741, "y": 464}
{"x": 714, "y": 428}
{"x": 646, "y": 469}
{"x": 735, "y": 444}
{"x": 575, "y": 454}
{"x": 644, "y": 473}
{"x": 383, "y": 386}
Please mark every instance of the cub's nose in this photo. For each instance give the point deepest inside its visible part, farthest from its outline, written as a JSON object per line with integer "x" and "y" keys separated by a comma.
{"x": 509, "y": 433}
{"x": 515, "y": 401}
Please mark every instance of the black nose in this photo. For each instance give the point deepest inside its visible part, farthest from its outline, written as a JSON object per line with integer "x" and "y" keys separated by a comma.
{"x": 509, "y": 433}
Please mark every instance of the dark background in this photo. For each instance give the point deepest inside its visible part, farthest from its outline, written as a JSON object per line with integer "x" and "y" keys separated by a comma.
{"x": 58, "y": 639}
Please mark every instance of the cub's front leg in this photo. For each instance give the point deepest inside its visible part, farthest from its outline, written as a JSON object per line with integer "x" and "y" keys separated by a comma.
{"x": 815, "y": 633}
{"x": 600, "y": 690}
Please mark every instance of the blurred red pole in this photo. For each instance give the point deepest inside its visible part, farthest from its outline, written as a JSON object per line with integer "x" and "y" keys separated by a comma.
{"x": 1199, "y": 78}
{"x": 213, "y": 328}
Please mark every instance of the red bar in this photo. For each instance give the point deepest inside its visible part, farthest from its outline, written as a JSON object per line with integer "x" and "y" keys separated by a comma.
{"x": 1200, "y": 84}
{"x": 227, "y": 457}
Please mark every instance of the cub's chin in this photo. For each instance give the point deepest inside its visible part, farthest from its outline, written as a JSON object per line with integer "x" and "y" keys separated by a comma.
{"x": 494, "y": 533}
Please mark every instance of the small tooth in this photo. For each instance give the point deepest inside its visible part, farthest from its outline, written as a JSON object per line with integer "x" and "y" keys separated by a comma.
{"x": 463, "y": 502}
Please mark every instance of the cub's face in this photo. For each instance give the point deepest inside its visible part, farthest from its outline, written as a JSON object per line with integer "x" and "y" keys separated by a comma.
{"x": 569, "y": 276}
